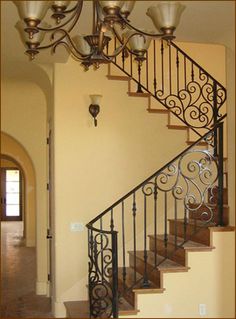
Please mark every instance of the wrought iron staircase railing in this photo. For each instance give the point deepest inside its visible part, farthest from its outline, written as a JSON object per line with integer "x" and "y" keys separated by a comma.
{"x": 191, "y": 183}
{"x": 175, "y": 191}
{"x": 179, "y": 83}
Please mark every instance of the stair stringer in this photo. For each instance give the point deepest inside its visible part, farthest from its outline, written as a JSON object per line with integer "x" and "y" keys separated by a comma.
{"x": 182, "y": 291}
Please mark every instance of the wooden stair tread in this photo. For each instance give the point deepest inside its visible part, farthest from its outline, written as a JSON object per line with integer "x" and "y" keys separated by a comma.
{"x": 118, "y": 77}
{"x": 194, "y": 222}
{"x": 139, "y": 94}
{"x": 163, "y": 263}
{"x": 125, "y": 308}
{"x": 158, "y": 111}
{"x": 199, "y": 143}
{"x": 129, "y": 280}
{"x": 211, "y": 205}
{"x": 189, "y": 244}
{"x": 77, "y": 309}
{"x": 80, "y": 309}
{"x": 177, "y": 127}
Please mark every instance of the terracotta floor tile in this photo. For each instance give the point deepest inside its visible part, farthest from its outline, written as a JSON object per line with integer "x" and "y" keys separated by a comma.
{"x": 18, "y": 277}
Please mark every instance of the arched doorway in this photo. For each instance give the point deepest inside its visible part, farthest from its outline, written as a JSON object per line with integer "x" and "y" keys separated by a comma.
{"x": 14, "y": 154}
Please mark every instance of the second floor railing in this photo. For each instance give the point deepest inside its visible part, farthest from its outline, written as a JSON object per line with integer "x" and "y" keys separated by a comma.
{"x": 179, "y": 83}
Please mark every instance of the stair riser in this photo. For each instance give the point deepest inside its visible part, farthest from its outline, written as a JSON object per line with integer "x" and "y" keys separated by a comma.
{"x": 153, "y": 275}
{"x": 202, "y": 235}
{"x": 215, "y": 196}
{"x": 129, "y": 296}
{"x": 215, "y": 218}
{"x": 175, "y": 255}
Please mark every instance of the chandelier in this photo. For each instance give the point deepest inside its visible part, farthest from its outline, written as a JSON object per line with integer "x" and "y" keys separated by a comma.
{"x": 109, "y": 21}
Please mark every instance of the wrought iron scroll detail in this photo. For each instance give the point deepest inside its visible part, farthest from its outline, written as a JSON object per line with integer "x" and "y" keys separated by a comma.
{"x": 184, "y": 87}
{"x": 100, "y": 275}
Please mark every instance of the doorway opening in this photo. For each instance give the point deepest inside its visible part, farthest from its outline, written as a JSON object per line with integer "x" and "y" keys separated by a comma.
{"x": 11, "y": 194}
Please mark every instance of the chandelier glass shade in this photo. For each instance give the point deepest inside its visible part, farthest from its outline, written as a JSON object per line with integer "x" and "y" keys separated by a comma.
{"x": 109, "y": 21}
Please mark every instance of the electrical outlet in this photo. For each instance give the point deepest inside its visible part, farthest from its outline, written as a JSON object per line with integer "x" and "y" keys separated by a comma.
{"x": 202, "y": 309}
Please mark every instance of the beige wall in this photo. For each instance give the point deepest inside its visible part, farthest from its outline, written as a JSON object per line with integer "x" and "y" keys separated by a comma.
{"x": 96, "y": 166}
{"x": 24, "y": 115}
{"x": 210, "y": 281}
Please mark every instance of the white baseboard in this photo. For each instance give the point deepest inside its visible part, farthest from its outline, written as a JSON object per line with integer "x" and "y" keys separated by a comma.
{"x": 30, "y": 242}
{"x": 58, "y": 309}
{"x": 41, "y": 288}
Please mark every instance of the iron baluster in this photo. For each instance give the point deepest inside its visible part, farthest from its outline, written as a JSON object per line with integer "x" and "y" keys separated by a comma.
{"x": 139, "y": 88}
{"x": 185, "y": 74}
{"x": 177, "y": 72}
{"x": 114, "y": 276}
{"x": 123, "y": 243}
{"x": 155, "y": 223}
{"x": 145, "y": 277}
{"x": 162, "y": 66}
{"x": 154, "y": 68}
{"x": 170, "y": 75}
{"x": 192, "y": 72}
{"x": 220, "y": 176}
{"x": 107, "y": 48}
{"x": 176, "y": 216}
{"x": 185, "y": 223}
{"x": 131, "y": 64}
{"x": 123, "y": 59}
{"x": 102, "y": 255}
{"x": 165, "y": 223}
{"x": 215, "y": 115}
{"x": 115, "y": 48}
{"x": 134, "y": 209}
{"x": 147, "y": 75}
{"x": 112, "y": 221}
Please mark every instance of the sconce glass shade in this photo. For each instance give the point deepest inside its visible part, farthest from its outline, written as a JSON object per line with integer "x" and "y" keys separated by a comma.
{"x": 34, "y": 10}
{"x": 37, "y": 38}
{"x": 138, "y": 42}
{"x": 95, "y": 99}
{"x": 111, "y": 4}
{"x": 82, "y": 45}
{"x": 166, "y": 14}
{"x": 127, "y": 7}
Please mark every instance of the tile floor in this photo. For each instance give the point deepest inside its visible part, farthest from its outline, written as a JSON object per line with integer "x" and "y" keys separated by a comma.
{"x": 18, "y": 277}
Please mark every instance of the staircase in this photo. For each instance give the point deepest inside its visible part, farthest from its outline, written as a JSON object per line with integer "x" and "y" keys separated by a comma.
{"x": 149, "y": 231}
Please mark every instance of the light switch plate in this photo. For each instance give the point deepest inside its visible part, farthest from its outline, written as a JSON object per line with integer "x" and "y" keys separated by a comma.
{"x": 77, "y": 227}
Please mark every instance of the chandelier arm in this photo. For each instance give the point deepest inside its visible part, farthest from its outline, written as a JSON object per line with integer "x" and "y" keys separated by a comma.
{"x": 59, "y": 41}
{"x": 157, "y": 35}
{"x": 75, "y": 16}
{"x": 66, "y": 33}
{"x": 117, "y": 35}
{"x": 122, "y": 47}
{"x": 72, "y": 9}
{"x": 79, "y": 57}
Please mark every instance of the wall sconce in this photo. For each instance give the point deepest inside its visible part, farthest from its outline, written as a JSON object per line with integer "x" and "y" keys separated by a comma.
{"x": 94, "y": 107}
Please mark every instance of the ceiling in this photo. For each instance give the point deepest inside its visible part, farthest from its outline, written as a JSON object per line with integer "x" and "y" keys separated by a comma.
{"x": 202, "y": 21}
